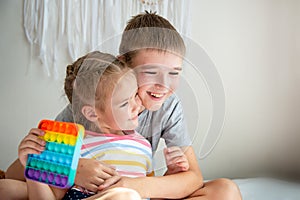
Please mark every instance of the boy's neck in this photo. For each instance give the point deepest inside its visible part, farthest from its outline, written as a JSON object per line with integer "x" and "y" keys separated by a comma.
{"x": 142, "y": 109}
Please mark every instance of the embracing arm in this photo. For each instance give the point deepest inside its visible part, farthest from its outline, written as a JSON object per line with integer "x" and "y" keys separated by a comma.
{"x": 173, "y": 186}
{"x": 91, "y": 173}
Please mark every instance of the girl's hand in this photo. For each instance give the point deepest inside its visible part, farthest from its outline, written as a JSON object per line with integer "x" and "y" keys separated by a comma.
{"x": 91, "y": 174}
{"x": 176, "y": 160}
{"x": 31, "y": 144}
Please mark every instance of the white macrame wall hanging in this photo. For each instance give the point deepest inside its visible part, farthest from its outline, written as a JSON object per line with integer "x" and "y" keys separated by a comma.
{"x": 80, "y": 26}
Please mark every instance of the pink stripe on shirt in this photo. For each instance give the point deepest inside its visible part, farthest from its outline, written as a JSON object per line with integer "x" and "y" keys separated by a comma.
{"x": 135, "y": 137}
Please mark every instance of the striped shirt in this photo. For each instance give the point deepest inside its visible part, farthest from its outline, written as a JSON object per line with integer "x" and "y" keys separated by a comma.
{"x": 130, "y": 154}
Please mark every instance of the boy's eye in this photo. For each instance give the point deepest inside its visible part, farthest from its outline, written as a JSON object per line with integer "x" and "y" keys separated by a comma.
{"x": 123, "y": 105}
{"x": 174, "y": 73}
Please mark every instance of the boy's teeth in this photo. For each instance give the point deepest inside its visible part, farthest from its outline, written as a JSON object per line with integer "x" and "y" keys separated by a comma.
{"x": 156, "y": 95}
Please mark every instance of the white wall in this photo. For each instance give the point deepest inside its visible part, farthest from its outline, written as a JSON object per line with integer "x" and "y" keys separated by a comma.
{"x": 27, "y": 94}
{"x": 255, "y": 46}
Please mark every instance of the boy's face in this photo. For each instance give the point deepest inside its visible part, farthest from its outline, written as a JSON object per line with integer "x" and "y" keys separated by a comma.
{"x": 158, "y": 76}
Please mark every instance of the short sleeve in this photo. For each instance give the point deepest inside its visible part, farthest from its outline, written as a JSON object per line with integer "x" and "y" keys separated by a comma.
{"x": 66, "y": 115}
{"x": 175, "y": 132}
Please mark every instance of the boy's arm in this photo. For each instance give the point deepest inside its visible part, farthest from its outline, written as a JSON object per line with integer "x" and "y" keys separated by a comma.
{"x": 175, "y": 186}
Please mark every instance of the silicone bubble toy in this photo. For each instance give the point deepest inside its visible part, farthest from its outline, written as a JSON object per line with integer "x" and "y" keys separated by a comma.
{"x": 57, "y": 164}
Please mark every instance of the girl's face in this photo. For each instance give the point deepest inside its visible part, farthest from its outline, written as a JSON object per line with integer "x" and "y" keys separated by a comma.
{"x": 158, "y": 76}
{"x": 122, "y": 106}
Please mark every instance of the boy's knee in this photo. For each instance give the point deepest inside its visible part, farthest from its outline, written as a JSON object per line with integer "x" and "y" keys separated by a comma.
{"x": 129, "y": 194}
{"x": 230, "y": 188}
{"x": 120, "y": 194}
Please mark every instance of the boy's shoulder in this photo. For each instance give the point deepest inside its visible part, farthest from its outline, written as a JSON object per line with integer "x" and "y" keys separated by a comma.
{"x": 172, "y": 106}
{"x": 172, "y": 103}
{"x": 66, "y": 115}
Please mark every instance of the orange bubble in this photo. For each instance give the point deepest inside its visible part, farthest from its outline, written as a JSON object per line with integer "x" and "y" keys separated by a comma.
{"x": 56, "y": 127}
{"x": 68, "y": 130}
{"x": 62, "y": 128}
{"x": 50, "y": 126}
{"x": 44, "y": 126}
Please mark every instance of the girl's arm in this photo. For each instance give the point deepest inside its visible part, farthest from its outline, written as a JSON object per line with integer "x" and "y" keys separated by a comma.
{"x": 175, "y": 186}
{"x": 15, "y": 171}
{"x": 31, "y": 144}
{"x": 90, "y": 173}
{"x": 37, "y": 190}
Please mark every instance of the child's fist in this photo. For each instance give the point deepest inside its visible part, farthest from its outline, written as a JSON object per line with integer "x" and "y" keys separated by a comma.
{"x": 31, "y": 144}
{"x": 176, "y": 160}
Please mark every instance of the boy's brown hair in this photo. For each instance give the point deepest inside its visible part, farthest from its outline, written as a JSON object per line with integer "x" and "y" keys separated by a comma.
{"x": 150, "y": 31}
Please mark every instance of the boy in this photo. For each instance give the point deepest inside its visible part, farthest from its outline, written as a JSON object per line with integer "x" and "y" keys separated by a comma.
{"x": 153, "y": 48}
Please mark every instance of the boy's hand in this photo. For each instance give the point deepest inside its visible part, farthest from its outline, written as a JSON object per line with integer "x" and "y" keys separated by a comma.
{"x": 176, "y": 160}
{"x": 93, "y": 173}
{"x": 31, "y": 144}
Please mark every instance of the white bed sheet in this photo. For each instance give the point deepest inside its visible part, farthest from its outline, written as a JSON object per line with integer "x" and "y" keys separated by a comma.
{"x": 268, "y": 189}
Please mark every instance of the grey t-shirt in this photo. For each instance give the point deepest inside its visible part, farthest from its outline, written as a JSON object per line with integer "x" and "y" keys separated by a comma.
{"x": 167, "y": 123}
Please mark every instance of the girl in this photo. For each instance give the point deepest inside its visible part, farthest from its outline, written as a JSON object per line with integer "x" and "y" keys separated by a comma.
{"x": 109, "y": 111}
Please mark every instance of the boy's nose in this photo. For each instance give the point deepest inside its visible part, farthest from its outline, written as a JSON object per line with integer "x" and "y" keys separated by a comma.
{"x": 162, "y": 80}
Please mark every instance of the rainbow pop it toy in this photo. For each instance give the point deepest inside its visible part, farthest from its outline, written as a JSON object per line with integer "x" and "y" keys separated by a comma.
{"x": 57, "y": 164}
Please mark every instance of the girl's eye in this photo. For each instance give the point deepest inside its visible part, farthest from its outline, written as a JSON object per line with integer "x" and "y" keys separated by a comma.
{"x": 149, "y": 72}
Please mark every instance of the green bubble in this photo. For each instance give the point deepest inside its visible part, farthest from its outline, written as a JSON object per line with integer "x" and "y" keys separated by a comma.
{"x": 59, "y": 169}
{"x": 52, "y": 167}
{"x": 66, "y": 171}
{"x": 33, "y": 163}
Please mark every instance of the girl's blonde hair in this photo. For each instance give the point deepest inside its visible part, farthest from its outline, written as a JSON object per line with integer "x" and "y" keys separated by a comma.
{"x": 89, "y": 81}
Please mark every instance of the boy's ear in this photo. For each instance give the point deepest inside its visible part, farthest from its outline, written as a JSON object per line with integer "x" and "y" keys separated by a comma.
{"x": 89, "y": 113}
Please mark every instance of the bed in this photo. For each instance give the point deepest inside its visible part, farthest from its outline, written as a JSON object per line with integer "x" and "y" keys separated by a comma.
{"x": 268, "y": 189}
{"x": 262, "y": 189}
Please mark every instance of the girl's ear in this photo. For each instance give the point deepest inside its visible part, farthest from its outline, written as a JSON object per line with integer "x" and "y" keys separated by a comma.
{"x": 89, "y": 113}
{"x": 121, "y": 57}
